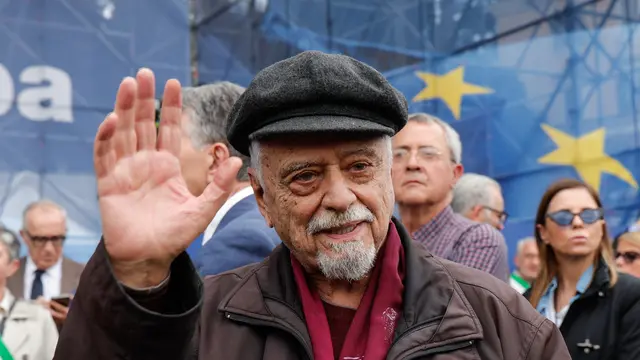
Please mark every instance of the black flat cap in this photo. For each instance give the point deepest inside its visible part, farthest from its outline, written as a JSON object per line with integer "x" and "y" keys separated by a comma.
{"x": 314, "y": 92}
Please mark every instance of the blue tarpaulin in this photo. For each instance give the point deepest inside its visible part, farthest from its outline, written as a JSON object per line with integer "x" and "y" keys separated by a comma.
{"x": 60, "y": 65}
{"x": 538, "y": 90}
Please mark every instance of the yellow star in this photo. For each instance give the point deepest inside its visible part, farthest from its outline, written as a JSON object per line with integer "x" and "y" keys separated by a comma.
{"x": 450, "y": 88}
{"x": 586, "y": 154}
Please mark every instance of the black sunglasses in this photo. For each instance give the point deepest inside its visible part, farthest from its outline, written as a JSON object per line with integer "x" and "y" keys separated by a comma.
{"x": 628, "y": 257}
{"x": 565, "y": 217}
{"x": 42, "y": 240}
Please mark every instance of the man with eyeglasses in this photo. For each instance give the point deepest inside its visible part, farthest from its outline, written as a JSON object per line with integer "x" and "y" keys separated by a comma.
{"x": 479, "y": 198}
{"x": 45, "y": 273}
{"x": 426, "y": 167}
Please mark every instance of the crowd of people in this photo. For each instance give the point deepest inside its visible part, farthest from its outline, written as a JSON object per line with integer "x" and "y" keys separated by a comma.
{"x": 333, "y": 225}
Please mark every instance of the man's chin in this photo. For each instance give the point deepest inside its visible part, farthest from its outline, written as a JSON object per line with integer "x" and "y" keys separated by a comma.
{"x": 351, "y": 263}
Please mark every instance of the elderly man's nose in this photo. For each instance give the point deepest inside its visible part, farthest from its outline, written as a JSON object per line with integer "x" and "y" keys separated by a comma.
{"x": 339, "y": 196}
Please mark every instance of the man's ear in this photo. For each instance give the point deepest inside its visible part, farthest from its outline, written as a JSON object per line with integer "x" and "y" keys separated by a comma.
{"x": 258, "y": 191}
{"x": 458, "y": 170}
{"x": 516, "y": 261}
{"x": 14, "y": 265}
{"x": 24, "y": 237}
{"x": 474, "y": 213}
{"x": 217, "y": 154}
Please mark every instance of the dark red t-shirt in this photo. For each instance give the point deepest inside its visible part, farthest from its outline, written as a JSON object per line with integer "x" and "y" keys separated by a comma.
{"x": 339, "y": 320}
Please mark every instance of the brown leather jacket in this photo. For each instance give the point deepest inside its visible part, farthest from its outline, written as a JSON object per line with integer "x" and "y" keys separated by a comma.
{"x": 450, "y": 312}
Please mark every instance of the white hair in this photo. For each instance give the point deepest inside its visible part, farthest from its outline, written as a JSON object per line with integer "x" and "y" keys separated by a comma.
{"x": 450, "y": 135}
{"x": 350, "y": 261}
{"x": 471, "y": 190}
{"x": 255, "y": 155}
{"x": 46, "y": 205}
{"x": 521, "y": 243}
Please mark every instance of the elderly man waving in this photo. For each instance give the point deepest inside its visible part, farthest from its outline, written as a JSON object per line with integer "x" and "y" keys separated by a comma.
{"x": 348, "y": 283}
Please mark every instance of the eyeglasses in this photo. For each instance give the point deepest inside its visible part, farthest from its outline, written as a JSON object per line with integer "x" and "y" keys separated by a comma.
{"x": 41, "y": 241}
{"x": 565, "y": 217}
{"x": 425, "y": 153}
{"x": 628, "y": 257}
{"x": 502, "y": 215}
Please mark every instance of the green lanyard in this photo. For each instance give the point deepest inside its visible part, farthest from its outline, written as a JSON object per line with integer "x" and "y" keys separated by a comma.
{"x": 4, "y": 352}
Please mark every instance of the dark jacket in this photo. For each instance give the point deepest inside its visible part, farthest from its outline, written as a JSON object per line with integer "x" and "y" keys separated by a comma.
{"x": 71, "y": 272}
{"x": 450, "y": 312}
{"x": 604, "y": 322}
{"x": 241, "y": 238}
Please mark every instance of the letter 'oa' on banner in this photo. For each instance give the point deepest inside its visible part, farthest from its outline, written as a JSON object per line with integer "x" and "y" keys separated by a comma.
{"x": 4, "y": 352}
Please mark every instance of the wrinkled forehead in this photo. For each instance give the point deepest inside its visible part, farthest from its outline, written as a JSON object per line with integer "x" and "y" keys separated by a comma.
{"x": 277, "y": 152}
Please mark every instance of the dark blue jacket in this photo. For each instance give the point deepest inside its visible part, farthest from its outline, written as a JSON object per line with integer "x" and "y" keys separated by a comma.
{"x": 241, "y": 238}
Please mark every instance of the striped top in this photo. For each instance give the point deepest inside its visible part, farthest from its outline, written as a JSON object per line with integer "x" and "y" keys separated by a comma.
{"x": 456, "y": 238}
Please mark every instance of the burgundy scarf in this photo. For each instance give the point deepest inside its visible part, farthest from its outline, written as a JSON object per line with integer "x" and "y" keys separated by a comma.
{"x": 372, "y": 329}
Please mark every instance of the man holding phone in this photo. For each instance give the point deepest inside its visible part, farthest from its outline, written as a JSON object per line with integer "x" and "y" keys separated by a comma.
{"x": 45, "y": 275}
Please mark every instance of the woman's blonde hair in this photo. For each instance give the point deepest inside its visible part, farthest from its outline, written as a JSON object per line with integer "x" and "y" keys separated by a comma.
{"x": 549, "y": 264}
{"x": 630, "y": 237}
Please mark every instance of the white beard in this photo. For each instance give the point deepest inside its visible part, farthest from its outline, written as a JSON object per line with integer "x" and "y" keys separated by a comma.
{"x": 350, "y": 261}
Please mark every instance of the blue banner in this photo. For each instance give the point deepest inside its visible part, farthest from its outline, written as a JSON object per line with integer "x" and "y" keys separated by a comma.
{"x": 60, "y": 66}
{"x": 538, "y": 91}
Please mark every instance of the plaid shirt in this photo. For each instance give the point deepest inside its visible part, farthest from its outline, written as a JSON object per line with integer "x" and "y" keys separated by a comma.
{"x": 456, "y": 238}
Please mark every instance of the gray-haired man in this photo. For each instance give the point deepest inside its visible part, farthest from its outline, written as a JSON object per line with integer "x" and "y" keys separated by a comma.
{"x": 427, "y": 163}
{"x": 479, "y": 198}
{"x": 239, "y": 234}
{"x": 349, "y": 282}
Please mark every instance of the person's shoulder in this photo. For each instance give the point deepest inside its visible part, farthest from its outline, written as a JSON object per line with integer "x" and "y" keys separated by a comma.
{"x": 72, "y": 263}
{"x": 627, "y": 290}
{"x": 218, "y": 288}
{"x": 477, "y": 231}
{"x": 245, "y": 228}
{"x": 225, "y": 282}
{"x": 490, "y": 296}
{"x": 28, "y": 308}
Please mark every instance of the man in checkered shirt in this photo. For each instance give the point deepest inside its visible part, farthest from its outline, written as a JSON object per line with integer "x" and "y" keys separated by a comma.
{"x": 426, "y": 165}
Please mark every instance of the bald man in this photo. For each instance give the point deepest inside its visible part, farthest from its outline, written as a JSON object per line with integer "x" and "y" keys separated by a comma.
{"x": 45, "y": 273}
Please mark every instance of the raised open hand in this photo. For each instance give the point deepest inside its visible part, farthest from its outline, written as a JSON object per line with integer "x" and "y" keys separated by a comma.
{"x": 148, "y": 215}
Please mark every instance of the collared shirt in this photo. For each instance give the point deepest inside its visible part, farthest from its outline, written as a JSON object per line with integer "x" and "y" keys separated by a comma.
{"x": 234, "y": 199}
{"x": 51, "y": 279}
{"x": 456, "y": 238}
{"x": 5, "y": 303}
{"x": 546, "y": 305}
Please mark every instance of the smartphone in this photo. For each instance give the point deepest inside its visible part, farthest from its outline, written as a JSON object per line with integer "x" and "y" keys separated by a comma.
{"x": 63, "y": 299}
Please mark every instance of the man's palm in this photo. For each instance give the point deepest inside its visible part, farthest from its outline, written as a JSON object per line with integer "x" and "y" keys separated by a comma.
{"x": 148, "y": 215}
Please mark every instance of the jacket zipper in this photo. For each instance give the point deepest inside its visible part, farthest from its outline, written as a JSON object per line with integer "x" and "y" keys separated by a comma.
{"x": 258, "y": 322}
{"x": 441, "y": 349}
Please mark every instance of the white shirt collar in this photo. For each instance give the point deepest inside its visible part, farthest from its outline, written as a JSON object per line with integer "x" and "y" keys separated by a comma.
{"x": 233, "y": 199}
{"x": 54, "y": 271}
{"x": 6, "y": 301}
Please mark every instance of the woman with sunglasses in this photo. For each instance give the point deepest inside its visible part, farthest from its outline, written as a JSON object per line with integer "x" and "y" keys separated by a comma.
{"x": 578, "y": 288}
{"x": 628, "y": 253}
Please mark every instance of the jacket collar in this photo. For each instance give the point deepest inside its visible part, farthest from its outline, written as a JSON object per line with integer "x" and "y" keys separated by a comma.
{"x": 432, "y": 300}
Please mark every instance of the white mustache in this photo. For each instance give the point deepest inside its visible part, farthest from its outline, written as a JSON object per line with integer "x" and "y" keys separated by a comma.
{"x": 331, "y": 219}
